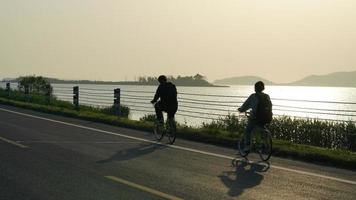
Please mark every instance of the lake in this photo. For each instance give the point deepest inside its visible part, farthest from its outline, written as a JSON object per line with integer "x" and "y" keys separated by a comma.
{"x": 203, "y": 104}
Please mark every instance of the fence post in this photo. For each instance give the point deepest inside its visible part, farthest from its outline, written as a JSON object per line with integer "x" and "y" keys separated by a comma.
{"x": 8, "y": 89}
{"x": 27, "y": 92}
{"x": 117, "y": 101}
{"x": 76, "y": 96}
{"x": 48, "y": 93}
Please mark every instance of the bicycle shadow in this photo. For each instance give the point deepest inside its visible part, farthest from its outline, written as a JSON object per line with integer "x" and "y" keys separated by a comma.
{"x": 244, "y": 176}
{"x": 128, "y": 154}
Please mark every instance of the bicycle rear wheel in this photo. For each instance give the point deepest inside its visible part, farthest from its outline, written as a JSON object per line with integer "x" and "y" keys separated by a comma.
{"x": 265, "y": 147}
{"x": 171, "y": 131}
{"x": 158, "y": 131}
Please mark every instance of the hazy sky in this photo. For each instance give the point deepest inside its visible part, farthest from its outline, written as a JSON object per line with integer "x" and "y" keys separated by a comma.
{"x": 281, "y": 40}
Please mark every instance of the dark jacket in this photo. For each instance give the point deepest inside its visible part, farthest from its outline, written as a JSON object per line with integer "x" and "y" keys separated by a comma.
{"x": 167, "y": 93}
{"x": 252, "y": 103}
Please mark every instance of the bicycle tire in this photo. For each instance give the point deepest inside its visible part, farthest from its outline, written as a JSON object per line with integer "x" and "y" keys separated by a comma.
{"x": 158, "y": 131}
{"x": 265, "y": 151}
{"x": 172, "y": 131}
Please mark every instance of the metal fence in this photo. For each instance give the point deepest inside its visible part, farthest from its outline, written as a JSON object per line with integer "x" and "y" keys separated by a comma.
{"x": 198, "y": 106}
{"x": 207, "y": 106}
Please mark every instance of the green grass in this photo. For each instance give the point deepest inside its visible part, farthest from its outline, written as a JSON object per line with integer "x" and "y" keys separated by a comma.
{"x": 222, "y": 136}
{"x": 341, "y": 158}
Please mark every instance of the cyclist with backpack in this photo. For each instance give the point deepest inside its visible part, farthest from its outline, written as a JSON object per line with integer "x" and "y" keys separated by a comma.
{"x": 261, "y": 112}
{"x": 165, "y": 99}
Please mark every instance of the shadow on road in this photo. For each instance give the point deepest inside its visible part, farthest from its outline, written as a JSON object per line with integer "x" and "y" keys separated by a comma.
{"x": 245, "y": 175}
{"x": 132, "y": 153}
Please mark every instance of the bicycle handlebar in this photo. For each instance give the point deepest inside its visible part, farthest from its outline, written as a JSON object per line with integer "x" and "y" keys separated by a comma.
{"x": 246, "y": 113}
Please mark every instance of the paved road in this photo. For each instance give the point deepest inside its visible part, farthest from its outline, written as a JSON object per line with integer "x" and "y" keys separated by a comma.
{"x": 45, "y": 156}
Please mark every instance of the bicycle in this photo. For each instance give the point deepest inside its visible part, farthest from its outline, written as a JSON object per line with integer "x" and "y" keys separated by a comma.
{"x": 168, "y": 129}
{"x": 261, "y": 142}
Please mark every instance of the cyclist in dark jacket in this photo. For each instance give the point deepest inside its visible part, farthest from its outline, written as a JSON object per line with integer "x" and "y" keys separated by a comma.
{"x": 165, "y": 99}
{"x": 252, "y": 103}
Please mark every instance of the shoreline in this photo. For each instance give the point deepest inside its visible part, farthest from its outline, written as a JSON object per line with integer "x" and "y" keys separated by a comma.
{"x": 122, "y": 83}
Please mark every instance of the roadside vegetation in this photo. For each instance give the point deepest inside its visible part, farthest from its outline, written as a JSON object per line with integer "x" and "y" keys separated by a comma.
{"x": 320, "y": 133}
{"x": 37, "y": 90}
{"x": 39, "y": 99}
{"x": 35, "y": 85}
{"x": 305, "y": 139}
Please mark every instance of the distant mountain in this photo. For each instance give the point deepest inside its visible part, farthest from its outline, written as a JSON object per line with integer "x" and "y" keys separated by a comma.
{"x": 243, "y": 80}
{"x": 337, "y": 79}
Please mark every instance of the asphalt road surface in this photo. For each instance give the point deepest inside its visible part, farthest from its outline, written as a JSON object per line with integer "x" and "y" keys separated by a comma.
{"x": 44, "y": 156}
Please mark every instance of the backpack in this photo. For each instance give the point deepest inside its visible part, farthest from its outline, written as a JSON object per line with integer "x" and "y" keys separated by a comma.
{"x": 264, "y": 109}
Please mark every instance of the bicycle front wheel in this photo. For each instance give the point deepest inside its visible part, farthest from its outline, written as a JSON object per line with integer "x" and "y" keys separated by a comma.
{"x": 158, "y": 131}
{"x": 265, "y": 147}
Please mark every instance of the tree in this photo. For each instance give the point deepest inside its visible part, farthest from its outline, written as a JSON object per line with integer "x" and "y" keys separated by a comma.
{"x": 35, "y": 84}
{"x": 142, "y": 79}
{"x": 199, "y": 77}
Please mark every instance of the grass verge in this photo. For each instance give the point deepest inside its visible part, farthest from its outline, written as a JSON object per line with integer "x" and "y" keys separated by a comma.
{"x": 338, "y": 158}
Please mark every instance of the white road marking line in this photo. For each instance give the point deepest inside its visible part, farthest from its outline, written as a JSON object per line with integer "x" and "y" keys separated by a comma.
{"x": 13, "y": 143}
{"x": 143, "y": 188}
{"x": 71, "y": 142}
{"x": 182, "y": 148}
{"x": 314, "y": 174}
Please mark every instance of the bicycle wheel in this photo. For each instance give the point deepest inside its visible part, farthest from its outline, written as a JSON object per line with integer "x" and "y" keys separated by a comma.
{"x": 241, "y": 147}
{"x": 265, "y": 147}
{"x": 171, "y": 131}
{"x": 158, "y": 131}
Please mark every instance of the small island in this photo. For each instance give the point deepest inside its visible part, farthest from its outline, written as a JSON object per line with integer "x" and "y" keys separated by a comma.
{"x": 189, "y": 81}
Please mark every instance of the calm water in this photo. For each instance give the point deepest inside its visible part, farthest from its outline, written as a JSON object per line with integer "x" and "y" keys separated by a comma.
{"x": 195, "y": 108}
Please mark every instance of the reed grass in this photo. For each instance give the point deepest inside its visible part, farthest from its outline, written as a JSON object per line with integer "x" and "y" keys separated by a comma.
{"x": 320, "y": 133}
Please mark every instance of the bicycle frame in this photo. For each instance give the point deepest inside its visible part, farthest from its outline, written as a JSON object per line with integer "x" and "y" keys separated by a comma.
{"x": 260, "y": 139}
{"x": 168, "y": 128}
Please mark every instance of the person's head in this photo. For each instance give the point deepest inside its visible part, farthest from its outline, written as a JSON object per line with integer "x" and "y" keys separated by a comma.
{"x": 162, "y": 79}
{"x": 259, "y": 86}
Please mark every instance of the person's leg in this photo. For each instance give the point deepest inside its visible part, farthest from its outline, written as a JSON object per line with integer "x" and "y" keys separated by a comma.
{"x": 170, "y": 119}
{"x": 159, "y": 114}
{"x": 248, "y": 131}
{"x": 171, "y": 114}
{"x": 171, "y": 111}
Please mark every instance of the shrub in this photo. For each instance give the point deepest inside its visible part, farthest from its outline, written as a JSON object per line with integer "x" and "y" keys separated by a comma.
{"x": 328, "y": 134}
{"x": 230, "y": 123}
{"x": 124, "y": 111}
{"x": 35, "y": 84}
{"x": 148, "y": 118}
